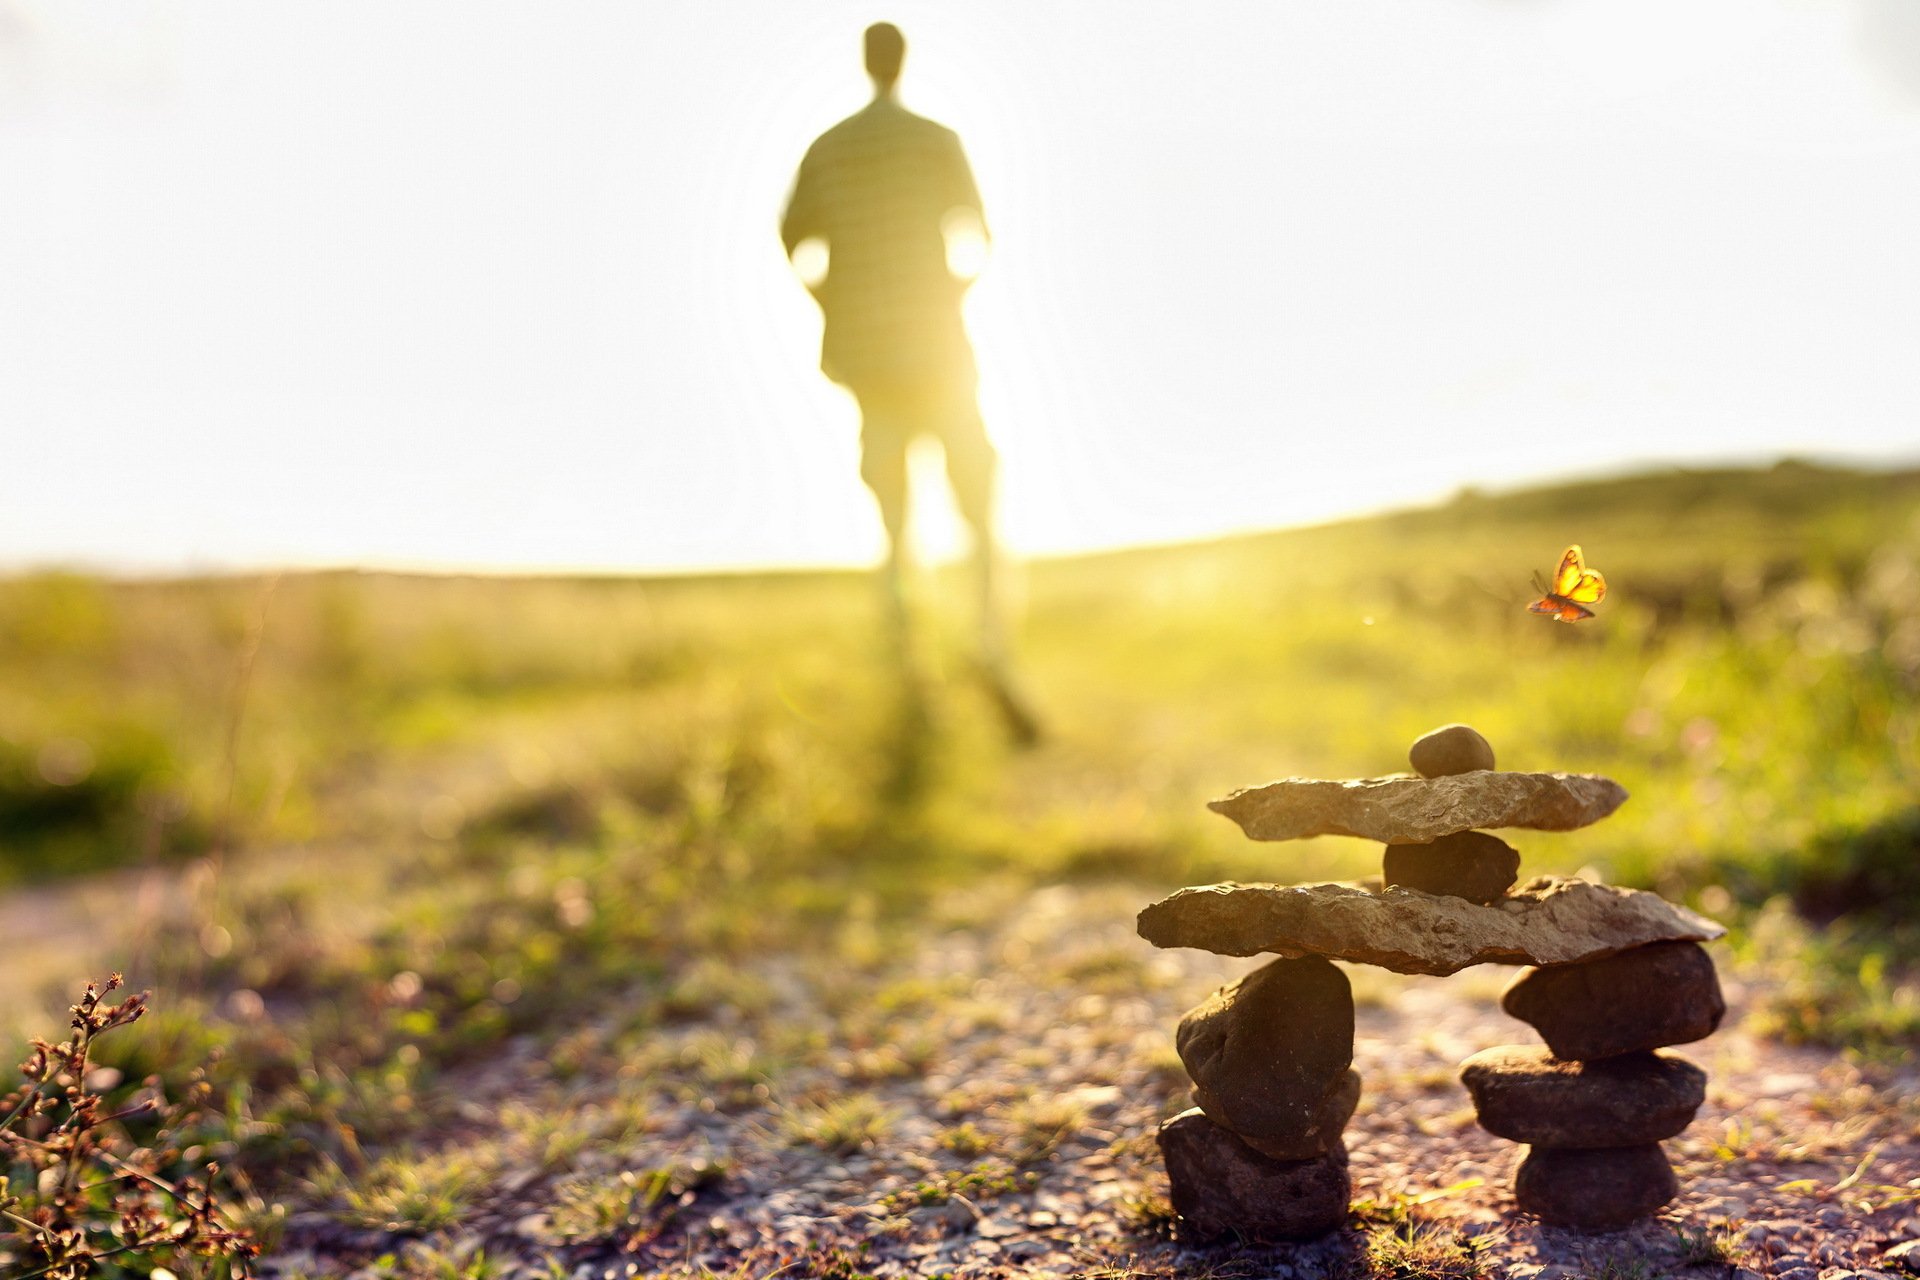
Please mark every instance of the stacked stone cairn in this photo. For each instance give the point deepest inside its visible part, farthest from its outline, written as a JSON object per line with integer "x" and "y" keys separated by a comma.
{"x": 1616, "y": 976}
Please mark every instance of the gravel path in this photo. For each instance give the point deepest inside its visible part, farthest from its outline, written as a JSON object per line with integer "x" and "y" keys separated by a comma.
{"x": 1043, "y": 1022}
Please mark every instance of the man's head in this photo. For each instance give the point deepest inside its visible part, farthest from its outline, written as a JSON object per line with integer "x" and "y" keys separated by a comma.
{"x": 886, "y": 50}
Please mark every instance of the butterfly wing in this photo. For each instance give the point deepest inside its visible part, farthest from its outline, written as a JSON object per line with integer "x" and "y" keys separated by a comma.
{"x": 1567, "y": 576}
{"x": 1559, "y": 608}
{"x": 1573, "y": 581}
{"x": 1590, "y": 588}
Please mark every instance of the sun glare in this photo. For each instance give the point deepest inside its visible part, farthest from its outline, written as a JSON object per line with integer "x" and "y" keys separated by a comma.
{"x": 1245, "y": 266}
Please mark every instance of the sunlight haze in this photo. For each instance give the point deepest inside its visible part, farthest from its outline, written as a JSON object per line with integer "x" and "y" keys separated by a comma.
{"x": 499, "y": 285}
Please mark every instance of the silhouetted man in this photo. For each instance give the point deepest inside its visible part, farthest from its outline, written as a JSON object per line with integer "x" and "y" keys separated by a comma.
{"x": 882, "y": 191}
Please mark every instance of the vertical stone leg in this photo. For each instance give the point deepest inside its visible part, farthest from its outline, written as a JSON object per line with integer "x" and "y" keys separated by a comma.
{"x": 1261, "y": 1156}
{"x": 1220, "y": 1186}
{"x": 1594, "y": 1105}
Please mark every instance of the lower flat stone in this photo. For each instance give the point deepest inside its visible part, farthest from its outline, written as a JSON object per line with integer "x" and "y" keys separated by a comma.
{"x": 1594, "y": 1190}
{"x": 1651, "y": 996}
{"x": 1525, "y": 1094}
{"x": 1220, "y": 1186}
{"x": 1406, "y": 810}
{"x": 1546, "y": 921}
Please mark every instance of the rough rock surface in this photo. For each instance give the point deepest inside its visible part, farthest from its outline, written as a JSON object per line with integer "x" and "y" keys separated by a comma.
{"x": 1662, "y": 994}
{"x": 1450, "y": 749}
{"x": 1329, "y": 1122}
{"x": 1468, "y": 864}
{"x": 1594, "y": 1190}
{"x": 1220, "y": 1186}
{"x": 1525, "y": 1094}
{"x": 1403, "y": 810}
{"x": 1264, "y": 1052}
{"x": 1548, "y": 920}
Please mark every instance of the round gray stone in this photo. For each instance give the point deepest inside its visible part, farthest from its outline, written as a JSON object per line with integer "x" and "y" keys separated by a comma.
{"x": 1330, "y": 1120}
{"x": 1265, "y": 1051}
{"x": 1450, "y": 749}
{"x": 1220, "y": 1186}
{"x": 1469, "y": 864}
{"x": 1646, "y": 998}
{"x": 1525, "y": 1094}
{"x": 1594, "y": 1190}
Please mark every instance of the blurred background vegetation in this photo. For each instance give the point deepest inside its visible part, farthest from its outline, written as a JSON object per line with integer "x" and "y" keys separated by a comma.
{"x": 356, "y": 827}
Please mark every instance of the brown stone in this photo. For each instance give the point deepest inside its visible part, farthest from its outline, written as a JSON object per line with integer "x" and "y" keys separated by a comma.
{"x": 1222, "y": 1187}
{"x": 1594, "y": 1189}
{"x": 1330, "y": 1120}
{"x": 1450, "y": 749}
{"x": 1651, "y": 996}
{"x": 1525, "y": 1094}
{"x": 1468, "y": 864}
{"x": 1264, "y": 1052}
{"x": 1547, "y": 920}
{"x": 1403, "y": 810}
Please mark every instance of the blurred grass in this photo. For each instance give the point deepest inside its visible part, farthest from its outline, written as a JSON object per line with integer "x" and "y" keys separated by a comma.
{"x": 454, "y": 811}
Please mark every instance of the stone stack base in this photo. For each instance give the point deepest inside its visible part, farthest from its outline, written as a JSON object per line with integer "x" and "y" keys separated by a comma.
{"x": 1261, "y": 1156}
{"x": 1223, "y": 1187}
{"x": 1594, "y": 1105}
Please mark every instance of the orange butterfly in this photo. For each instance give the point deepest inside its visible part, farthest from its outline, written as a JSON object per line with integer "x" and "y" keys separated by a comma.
{"x": 1574, "y": 587}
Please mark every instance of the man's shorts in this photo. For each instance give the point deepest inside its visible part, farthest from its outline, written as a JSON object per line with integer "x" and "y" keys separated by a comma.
{"x": 892, "y": 417}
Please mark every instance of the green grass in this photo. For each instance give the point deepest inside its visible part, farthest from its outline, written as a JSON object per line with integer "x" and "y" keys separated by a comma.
{"x": 839, "y": 1126}
{"x": 446, "y": 813}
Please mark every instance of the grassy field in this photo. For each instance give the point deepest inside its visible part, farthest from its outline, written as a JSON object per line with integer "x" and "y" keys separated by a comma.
{"x": 401, "y": 822}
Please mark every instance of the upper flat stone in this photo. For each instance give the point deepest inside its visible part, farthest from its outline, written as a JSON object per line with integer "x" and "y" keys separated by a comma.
{"x": 1547, "y": 921}
{"x": 1408, "y": 810}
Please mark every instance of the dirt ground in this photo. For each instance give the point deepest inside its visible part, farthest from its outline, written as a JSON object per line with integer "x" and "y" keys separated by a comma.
{"x": 1053, "y": 1039}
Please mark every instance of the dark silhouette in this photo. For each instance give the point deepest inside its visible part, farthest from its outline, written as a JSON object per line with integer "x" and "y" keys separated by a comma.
{"x": 882, "y": 191}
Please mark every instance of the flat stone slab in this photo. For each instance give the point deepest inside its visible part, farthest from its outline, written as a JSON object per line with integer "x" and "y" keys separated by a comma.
{"x": 1547, "y": 921}
{"x": 1409, "y": 810}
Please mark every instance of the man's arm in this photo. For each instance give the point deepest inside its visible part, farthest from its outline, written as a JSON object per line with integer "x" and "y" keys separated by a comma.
{"x": 962, "y": 192}
{"x": 963, "y": 223}
{"x": 802, "y": 220}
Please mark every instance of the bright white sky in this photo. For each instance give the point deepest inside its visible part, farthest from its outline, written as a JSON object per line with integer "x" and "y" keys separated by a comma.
{"x": 496, "y": 284}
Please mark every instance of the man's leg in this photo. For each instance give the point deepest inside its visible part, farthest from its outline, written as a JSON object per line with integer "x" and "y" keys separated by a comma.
{"x": 883, "y": 465}
{"x": 973, "y": 471}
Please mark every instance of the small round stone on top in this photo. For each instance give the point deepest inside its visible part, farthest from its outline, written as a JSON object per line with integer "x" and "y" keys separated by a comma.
{"x": 1450, "y": 749}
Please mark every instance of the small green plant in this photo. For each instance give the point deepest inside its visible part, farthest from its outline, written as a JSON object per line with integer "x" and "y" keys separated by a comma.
{"x": 1412, "y": 1250}
{"x": 635, "y": 1207}
{"x": 1708, "y": 1246}
{"x": 1396, "y": 1208}
{"x": 80, "y": 1195}
{"x": 1148, "y": 1214}
{"x": 982, "y": 1182}
{"x": 1040, "y": 1125}
{"x": 834, "y": 1263}
{"x": 966, "y": 1140}
{"x": 1735, "y": 1142}
{"x": 1622, "y": 1269}
{"x": 406, "y": 1191}
{"x": 423, "y": 1261}
{"x": 840, "y": 1127}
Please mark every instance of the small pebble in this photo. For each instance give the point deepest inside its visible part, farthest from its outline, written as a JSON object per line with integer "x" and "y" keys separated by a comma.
{"x": 1450, "y": 749}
